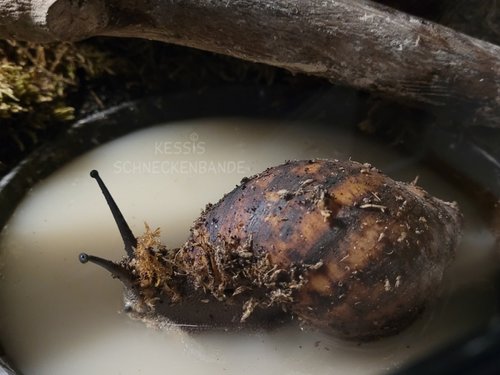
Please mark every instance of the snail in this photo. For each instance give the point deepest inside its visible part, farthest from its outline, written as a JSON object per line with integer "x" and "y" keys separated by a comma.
{"x": 335, "y": 245}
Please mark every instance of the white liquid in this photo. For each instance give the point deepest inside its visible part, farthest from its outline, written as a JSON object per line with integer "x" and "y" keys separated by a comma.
{"x": 60, "y": 317}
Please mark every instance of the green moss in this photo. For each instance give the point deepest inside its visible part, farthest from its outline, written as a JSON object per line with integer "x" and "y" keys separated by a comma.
{"x": 41, "y": 76}
{"x": 35, "y": 83}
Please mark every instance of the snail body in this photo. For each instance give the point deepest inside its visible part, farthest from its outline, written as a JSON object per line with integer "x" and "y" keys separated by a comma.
{"x": 335, "y": 244}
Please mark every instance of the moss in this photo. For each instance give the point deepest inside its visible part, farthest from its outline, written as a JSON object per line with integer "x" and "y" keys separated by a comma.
{"x": 35, "y": 82}
{"x": 236, "y": 270}
{"x": 39, "y": 76}
{"x": 151, "y": 260}
{"x": 227, "y": 272}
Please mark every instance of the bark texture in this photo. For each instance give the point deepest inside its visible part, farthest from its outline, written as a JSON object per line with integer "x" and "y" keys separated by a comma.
{"x": 355, "y": 43}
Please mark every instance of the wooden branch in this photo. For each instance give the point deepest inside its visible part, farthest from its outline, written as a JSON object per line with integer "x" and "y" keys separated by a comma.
{"x": 352, "y": 42}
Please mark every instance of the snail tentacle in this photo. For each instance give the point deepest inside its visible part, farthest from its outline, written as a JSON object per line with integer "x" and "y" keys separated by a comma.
{"x": 115, "y": 269}
{"x": 128, "y": 237}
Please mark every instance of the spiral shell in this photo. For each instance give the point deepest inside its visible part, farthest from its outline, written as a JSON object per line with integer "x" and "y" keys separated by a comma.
{"x": 374, "y": 249}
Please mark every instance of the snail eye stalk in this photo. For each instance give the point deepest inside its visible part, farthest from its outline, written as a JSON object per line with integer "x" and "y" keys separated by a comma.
{"x": 128, "y": 237}
{"x": 115, "y": 269}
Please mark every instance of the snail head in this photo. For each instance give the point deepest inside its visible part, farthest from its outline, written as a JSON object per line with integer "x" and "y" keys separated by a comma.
{"x": 121, "y": 270}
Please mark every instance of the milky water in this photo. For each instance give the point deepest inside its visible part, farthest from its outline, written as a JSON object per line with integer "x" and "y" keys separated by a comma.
{"x": 59, "y": 317}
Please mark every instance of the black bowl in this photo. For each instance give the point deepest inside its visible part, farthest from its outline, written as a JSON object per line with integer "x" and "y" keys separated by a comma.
{"x": 462, "y": 157}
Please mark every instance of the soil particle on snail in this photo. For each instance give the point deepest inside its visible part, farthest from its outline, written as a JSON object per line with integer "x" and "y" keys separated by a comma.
{"x": 335, "y": 244}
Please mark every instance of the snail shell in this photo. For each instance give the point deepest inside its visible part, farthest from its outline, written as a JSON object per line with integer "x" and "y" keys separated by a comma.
{"x": 336, "y": 244}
